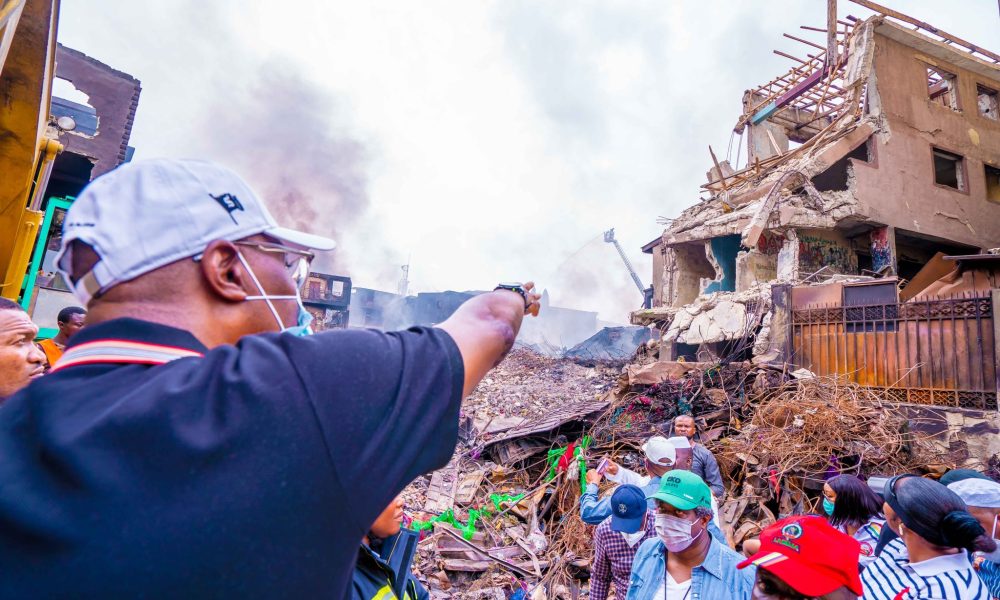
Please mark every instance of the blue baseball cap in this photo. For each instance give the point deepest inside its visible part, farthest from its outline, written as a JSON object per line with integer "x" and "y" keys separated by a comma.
{"x": 628, "y": 505}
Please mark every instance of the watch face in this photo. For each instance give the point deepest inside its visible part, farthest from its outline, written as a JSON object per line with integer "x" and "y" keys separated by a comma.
{"x": 508, "y": 284}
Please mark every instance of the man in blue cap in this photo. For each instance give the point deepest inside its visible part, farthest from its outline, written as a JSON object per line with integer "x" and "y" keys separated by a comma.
{"x": 617, "y": 539}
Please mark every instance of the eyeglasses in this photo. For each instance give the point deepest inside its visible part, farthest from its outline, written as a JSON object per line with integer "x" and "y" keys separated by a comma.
{"x": 296, "y": 261}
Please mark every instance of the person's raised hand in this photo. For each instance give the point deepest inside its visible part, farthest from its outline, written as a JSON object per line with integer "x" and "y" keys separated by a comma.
{"x": 593, "y": 476}
{"x": 533, "y": 304}
{"x": 612, "y": 468}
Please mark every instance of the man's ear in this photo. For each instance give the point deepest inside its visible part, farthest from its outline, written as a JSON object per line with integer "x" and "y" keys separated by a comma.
{"x": 223, "y": 271}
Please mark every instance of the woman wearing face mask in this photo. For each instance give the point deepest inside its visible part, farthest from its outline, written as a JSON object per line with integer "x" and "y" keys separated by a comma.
{"x": 683, "y": 562}
{"x": 939, "y": 534}
{"x": 982, "y": 496}
{"x": 853, "y": 508}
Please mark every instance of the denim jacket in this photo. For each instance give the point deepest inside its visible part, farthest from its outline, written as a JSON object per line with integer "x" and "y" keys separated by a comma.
{"x": 717, "y": 578}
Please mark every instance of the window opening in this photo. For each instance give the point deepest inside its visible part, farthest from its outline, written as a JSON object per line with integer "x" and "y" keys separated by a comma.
{"x": 988, "y": 101}
{"x": 992, "y": 183}
{"x": 949, "y": 170}
{"x": 941, "y": 87}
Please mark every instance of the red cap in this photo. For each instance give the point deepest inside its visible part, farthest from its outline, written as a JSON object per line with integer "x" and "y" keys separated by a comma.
{"x": 810, "y": 555}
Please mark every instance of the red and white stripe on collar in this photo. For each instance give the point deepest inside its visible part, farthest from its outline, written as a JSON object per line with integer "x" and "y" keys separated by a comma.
{"x": 121, "y": 351}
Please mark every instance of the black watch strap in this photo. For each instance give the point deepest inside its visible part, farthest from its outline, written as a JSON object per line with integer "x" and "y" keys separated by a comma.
{"x": 514, "y": 287}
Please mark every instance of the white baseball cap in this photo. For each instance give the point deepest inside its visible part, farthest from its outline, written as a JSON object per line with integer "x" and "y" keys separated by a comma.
{"x": 147, "y": 214}
{"x": 981, "y": 493}
{"x": 660, "y": 451}
{"x": 679, "y": 442}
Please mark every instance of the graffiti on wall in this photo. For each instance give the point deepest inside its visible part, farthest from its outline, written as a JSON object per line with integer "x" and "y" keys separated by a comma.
{"x": 817, "y": 252}
{"x": 770, "y": 244}
{"x": 881, "y": 250}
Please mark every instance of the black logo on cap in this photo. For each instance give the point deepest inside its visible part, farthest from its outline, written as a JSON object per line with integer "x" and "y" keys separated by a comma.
{"x": 229, "y": 202}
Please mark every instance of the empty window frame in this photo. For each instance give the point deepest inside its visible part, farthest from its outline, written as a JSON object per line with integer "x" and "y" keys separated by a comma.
{"x": 949, "y": 169}
{"x": 988, "y": 101}
{"x": 992, "y": 183}
{"x": 941, "y": 87}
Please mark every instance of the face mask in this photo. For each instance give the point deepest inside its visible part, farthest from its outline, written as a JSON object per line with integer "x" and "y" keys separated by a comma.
{"x": 675, "y": 533}
{"x": 304, "y": 318}
{"x": 633, "y": 538}
{"x": 828, "y": 507}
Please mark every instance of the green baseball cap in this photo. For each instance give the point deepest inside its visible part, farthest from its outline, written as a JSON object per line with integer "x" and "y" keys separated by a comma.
{"x": 683, "y": 490}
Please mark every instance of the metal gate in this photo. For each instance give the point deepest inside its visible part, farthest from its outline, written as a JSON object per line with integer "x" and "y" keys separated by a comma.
{"x": 939, "y": 351}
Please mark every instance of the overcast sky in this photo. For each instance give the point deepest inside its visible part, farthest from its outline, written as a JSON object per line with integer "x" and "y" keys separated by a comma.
{"x": 483, "y": 141}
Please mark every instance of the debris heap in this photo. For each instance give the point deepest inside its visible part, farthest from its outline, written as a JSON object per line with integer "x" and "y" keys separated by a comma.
{"x": 502, "y": 519}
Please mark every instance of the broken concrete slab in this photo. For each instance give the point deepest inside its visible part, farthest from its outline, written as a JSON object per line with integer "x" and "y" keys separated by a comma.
{"x": 441, "y": 493}
{"x": 726, "y": 321}
{"x": 660, "y": 371}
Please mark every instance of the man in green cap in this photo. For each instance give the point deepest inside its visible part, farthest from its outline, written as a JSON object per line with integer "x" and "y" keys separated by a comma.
{"x": 683, "y": 562}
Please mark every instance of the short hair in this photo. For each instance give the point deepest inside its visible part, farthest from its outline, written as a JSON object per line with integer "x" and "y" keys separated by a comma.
{"x": 703, "y": 511}
{"x": 8, "y": 304}
{"x": 69, "y": 311}
{"x": 856, "y": 502}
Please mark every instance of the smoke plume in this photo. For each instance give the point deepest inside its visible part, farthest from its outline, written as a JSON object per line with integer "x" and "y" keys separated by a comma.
{"x": 283, "y": 134}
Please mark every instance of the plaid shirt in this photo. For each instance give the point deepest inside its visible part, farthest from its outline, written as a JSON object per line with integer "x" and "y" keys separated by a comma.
{"x": 613, "y": 558}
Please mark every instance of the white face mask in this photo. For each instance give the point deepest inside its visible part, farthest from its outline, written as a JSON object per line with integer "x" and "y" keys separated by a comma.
{"x": 634, "y": 538}
{"x": 675, "y": 533}
{"x": 304, "y": 316}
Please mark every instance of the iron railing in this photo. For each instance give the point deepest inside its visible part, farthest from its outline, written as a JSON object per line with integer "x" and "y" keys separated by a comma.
{"x": 939, "y": 351}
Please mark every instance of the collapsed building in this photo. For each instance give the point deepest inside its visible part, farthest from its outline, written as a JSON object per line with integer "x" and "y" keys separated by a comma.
{"x": 829, "y": 308}
{"x": 871, "y": 165}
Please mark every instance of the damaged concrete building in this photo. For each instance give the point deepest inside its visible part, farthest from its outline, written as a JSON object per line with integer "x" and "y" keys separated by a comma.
{"x": 92, "y": 112}
{"x": 870, "y": 161}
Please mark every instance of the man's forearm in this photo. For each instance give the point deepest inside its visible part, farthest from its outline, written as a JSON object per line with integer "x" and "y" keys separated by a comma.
{"x": 484, "y": 328}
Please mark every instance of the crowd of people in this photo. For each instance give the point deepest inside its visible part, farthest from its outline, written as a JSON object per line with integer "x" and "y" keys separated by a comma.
{"x": 185, "y": 435}
{"x": 909, "y": 537}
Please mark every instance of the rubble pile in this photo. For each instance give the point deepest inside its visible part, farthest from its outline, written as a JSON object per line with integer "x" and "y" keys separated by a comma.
{"x": 777, "y": 455}
{"x": 502, "y": 519}
{"x": 527, "y": 384}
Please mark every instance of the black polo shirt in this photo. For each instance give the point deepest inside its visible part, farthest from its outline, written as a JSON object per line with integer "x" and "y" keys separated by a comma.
{"x": 251, "y": 472}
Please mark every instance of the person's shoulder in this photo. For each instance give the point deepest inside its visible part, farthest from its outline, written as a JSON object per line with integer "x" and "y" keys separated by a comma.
{"x": 603, "y": 528}
{"x": 727, "y": 554}
{"x": 648, "y": 548}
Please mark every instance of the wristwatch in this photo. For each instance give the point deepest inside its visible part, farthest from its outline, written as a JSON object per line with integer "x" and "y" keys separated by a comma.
{"x": 514, "y": 287}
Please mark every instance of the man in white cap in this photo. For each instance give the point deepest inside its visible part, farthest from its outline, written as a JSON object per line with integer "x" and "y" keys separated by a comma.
{"x": 660, "y": 456}
{"x": 982, "y": 497}
{"x": 192, "y": 441}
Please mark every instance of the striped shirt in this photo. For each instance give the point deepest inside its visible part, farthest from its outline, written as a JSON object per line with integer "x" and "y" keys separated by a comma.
{"x": 949, "y": 577}
{"x": 989, "y": 572}
{"x": 867, "y": 535}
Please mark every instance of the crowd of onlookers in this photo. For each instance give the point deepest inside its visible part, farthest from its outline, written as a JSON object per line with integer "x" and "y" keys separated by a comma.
{"x": 896, "y": 538}
{"x": 658, "y": 534}
{"x": 195, "y": 440}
